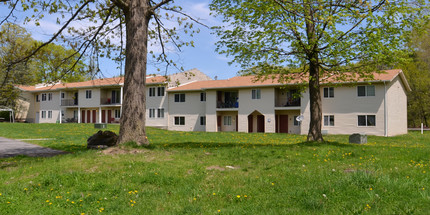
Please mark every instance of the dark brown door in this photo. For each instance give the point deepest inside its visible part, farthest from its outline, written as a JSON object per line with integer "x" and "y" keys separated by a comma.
{"x": 283, "y": 123}
{"x": 109, "y": 116}
{"x": 218, "y": 122}
{"x": 237, "y": 123}
{"x": 94, "y": 116}
{"x": 276, "y": 123}
{"x": 103, "y": 116}
{"x": 250, "y": 123}
{"x": 88, "y": 116}
{"x": 260, "y": 123}
{"x": 83, "y": 117}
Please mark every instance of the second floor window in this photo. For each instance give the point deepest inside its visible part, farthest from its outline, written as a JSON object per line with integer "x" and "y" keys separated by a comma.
{"x": 160, "y": 91}
{"x": 43, "y": 97}
{"x": 256, "y": 94}
{"x": 49, "y": 96}
{"x": 62, "y": 95}
{"x": 202, "y": 97}
{"x": 151, "y": 91}
{"x": 37, "y": 98}
{"x": 88, "y": 94}
{"x": 329, "y": 120}
{"x": 180, "y": 97}
{"x": 363, "y": 91}
{"x": 328, "y": 92}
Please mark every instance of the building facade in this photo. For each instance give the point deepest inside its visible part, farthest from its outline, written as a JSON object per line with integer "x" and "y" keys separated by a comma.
{"x": 241, "y": 104}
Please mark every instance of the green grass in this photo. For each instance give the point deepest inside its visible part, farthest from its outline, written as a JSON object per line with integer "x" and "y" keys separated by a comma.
{"x": 186, "y": 173}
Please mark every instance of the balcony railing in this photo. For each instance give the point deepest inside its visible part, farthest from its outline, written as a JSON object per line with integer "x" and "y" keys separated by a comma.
{"x": 227, "y": 105}
{"x": 289, "y": 103}
{"x": 69, "y": 102}
{"x": 109, "y": 101}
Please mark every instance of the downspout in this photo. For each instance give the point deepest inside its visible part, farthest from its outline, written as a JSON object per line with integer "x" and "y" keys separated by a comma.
{"x": 385, "y": 111}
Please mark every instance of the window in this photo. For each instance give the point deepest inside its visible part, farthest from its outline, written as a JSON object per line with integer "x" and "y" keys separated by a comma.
{"x": 329, "y": 120}
{"x": 151, "y": 91}
{"x": 50, "y": 114}
{"x": 160, "y": 113}
{"x": 227, "y": 120}
{"x": 328, "y": 92}
{"x": 49, "y": 96}
{"x": 88, "y": 94}
{"x": 202, "y": 120}
{"x": 365, "y": 90}
{"x": 366, "y": 120}
{"x": 180, "y": 97}
{"x": 256, "y": 94}
{"x": 179, "y": 120}
{"x": 202, "y": 97}
{"x": 43, "y": 96}
{"x": 160, "y": 91}
{"x": 296, "y": 123}
{"x": 43, "y": 114}
{"x": 62, "y": 113}
{"x": 117, "y": 113}
{"x": 152, "y": 113}
{"x": 62, "y": 95}
{"x": 37, "y": 98}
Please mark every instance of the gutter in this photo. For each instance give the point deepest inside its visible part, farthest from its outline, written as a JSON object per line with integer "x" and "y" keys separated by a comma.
{"x": 385, "y": 111}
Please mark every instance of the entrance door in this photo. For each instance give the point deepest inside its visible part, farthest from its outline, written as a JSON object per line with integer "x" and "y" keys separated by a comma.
{"x": 283, "y": 123}
{"x": 94, "y": 116}
{"x": 237, "y": 123}
{"x": 37, "y": 117}
{"x": 218, "y": 122}
{"x": 260, "y": 123}
{"x": 109, "y": 116}
{"x": 103, "y": 116}
{"x": 250, "y": 123}
{"x": 88, "y": 116}
{"x": 83, "y": 116}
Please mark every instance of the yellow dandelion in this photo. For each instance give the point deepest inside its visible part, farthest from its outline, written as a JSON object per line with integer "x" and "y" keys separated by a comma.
{"x": 47, "y": 200}
{"x": 25, "y": 189}
{"x": 214, "y": 194}
{"x": 219, "y": 211}
{"x": 238, "y": 196}
{"x": 370, "y": 188}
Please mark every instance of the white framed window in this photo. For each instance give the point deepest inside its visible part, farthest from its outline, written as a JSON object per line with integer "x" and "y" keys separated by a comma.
{"x": 296, "y": 123}
{"x": 151, "y": 91}
{"x": 49, "y": 96}
{"x": 62, "y": 95}
{"x": 328, "y": 92}
{"x": 256, "y": 94}
{"x": 203, "y": 120}
{"x": 62, "y": 113}
{"x": 366, "y": 120}
{"x": 43, "y": 96}
{"x": 88, "y": 94}
{"x": 50, "y": 114}
{"x": 227, "y": 120}
{"x": 202, "y": 97}
{"x": 179, "y": 120}
{"x": 160, "y": 91}
{"x": 328, "y": 120}
{"x": 368, "y": 90}
{"x": 117, "y": 113}
{"x": 37, "y": 98}
{"x": 160, "y": 113}
{"x": 152, "y": 113}
{"x": 180, "y": 97}
{"x": 43, "y": 114}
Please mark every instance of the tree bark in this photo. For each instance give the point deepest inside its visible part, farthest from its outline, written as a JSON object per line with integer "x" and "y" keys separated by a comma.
{"x": 132, "y": 123}
{"x": 314, "y": 133}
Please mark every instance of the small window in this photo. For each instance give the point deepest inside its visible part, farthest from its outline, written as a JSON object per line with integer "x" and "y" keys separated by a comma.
{"x": 43, "y": 96}
{"x": 37, "y": 98}
{"x": 88, "y": 94}
{"x": 151, "y": 91}
{"x": 365, "y": 90}
{"x": 117, "y": 113}
{"x": 43, "y": 114}
{"x": 366, "y": 120}
{"x": 203, "y": 97}
{"x": 160, "y": 91}
{"x": 328, "y": 92}
{"x": 296, "y": 123}
{"x": 329, "y": 120}
{"x": 256, "y": 94}
{"x": 49, "y": 96}
{"x": 179, "y": 120}
{"x": 180, "y": 97}
{"x": 50, "y": 114}
{"x": 202, "y": 120}
{"x": 62, "y": 95}
{"x": 160, "y": 113}
{"x": 151, "y": 113}
{"x": 227, "y": 120}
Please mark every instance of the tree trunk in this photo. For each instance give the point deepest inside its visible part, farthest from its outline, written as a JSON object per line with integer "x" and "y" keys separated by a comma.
{"x": 132, "y": 124}
{"x": 314, "y": 133}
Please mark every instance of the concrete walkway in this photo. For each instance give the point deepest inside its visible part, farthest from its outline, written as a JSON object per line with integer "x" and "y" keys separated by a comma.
{"x": 11, "y": 148}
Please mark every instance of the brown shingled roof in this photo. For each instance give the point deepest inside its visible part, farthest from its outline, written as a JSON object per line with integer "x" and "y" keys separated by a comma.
{"x": 250, "y": 81}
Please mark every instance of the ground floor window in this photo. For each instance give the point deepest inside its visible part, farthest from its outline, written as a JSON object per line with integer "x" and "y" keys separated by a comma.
{"x": 202, "y": 120}
{"x": 179, "y": 120}
{"x": 227, "y": 120}
{"x": 296, "y": 123}
{"x": 160, "y": 113}
{"x": 43, "y": 114}
{"x": 49, "y": 114}
{"x": 329, "y": 120}
{"x": 366, "y": 120}
{"x": 117, "y": 114}
{"x": 151, "y": 113}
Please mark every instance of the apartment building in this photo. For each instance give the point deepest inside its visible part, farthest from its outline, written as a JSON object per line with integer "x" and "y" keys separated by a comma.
{"x": 242, "y": 104}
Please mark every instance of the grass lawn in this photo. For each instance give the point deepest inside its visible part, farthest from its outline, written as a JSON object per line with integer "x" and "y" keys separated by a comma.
{"x": 216, "y": 173}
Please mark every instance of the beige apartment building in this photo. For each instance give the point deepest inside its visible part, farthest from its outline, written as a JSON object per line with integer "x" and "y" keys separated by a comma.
{"x": 242, "y": 104}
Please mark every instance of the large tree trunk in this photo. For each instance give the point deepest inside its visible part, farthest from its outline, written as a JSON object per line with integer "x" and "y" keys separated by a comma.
{"x": 314, "y": 133}
{"x": 132, "y": 124}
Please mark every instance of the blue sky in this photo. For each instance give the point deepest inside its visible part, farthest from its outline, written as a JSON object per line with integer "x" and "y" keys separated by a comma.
{"x": 202, "y": 56}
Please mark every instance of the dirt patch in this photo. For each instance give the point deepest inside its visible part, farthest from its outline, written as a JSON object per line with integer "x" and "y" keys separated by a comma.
{"x": 121, "y": 151}
{"x": 215, "y": 168}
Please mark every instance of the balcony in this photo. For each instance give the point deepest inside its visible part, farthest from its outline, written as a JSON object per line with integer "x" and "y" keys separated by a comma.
{"x": 227, "y": 99}
{"x": 69, "y": 102}
{"x": 290, "y": 102}
{"x": 109, "y": 101}
{"x": 287, "y": 98}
